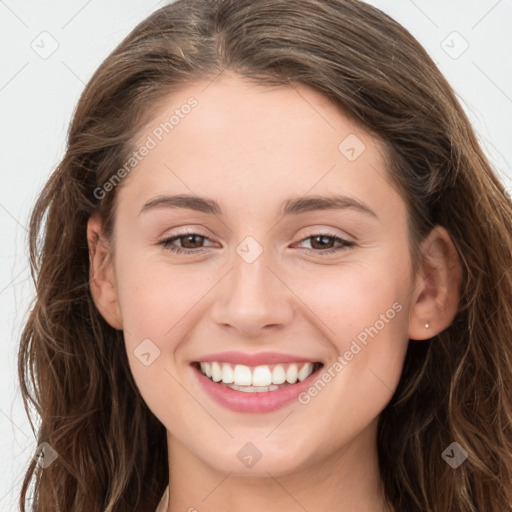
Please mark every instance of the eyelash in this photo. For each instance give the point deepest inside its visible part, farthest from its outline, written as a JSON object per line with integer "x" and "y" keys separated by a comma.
{"x": 178, "y": 250}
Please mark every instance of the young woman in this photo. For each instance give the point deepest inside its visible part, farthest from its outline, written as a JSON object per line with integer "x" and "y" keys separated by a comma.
{"x": 273, "y": 272}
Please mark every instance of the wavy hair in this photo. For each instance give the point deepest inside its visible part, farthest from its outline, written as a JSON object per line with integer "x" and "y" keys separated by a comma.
{"x": 456, "y": 386}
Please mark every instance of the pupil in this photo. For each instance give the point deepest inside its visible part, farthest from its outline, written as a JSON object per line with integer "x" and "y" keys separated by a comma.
{"x": 189, "y": 238}
{"x": 321, "y": 237}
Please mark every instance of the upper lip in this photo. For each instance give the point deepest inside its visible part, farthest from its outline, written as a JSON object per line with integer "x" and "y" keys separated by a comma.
{"x": 255, "y": 359}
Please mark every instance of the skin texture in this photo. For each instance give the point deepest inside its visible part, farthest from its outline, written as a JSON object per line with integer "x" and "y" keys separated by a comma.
{"x": 250, "y": 148}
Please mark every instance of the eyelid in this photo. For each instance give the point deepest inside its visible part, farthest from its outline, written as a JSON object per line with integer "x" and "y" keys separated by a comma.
{"x": 183, "y": 231}
{"x": 311, "y": 232}
{"x": 328, "y": 232}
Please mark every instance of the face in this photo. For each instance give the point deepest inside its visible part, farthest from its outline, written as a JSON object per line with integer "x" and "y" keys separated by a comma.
{"x": 266, "y": 275}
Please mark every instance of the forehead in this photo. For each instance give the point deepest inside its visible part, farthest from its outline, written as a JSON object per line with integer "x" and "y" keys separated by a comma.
{"x": 230, "y": 138}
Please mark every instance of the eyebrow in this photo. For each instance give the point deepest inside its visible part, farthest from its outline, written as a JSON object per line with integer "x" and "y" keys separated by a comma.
{"x": 292, "y": 206}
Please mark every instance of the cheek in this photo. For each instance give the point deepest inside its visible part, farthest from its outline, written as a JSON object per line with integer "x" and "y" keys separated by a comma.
{"x": 355, "y": 297}
{"x": 154, "y": 295}
{"x": 154, "y": 303}
{"x": 160, "y": 306}
{"x": 363, "y": 311}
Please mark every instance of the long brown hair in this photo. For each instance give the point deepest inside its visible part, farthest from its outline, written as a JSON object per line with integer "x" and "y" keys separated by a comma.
{"x": 456, "y": 387}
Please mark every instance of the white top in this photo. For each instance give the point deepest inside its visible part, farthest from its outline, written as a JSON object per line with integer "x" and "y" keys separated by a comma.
{"x": 164, "y": 502}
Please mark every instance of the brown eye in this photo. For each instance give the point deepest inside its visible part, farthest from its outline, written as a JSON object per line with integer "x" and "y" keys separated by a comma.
{"x": 322, "y": 243}
{"x": 189, "y": 243}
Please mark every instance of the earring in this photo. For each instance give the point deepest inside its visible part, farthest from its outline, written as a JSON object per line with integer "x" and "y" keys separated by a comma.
{"x": 427, "y": 325}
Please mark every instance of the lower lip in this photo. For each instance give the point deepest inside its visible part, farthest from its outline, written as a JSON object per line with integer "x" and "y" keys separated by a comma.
{"x": 255, "y": 402}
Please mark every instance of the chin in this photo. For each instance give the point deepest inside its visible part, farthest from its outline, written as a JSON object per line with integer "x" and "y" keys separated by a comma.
{"x": 257, "y": 459}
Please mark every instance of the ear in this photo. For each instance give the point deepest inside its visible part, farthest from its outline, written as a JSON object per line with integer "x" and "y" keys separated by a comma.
{"x": 436, "y": 294}
{"x": 101, "y": 274}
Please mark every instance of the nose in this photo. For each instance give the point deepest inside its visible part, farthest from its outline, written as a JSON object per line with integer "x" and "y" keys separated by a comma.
{"x": 253, "y": 298}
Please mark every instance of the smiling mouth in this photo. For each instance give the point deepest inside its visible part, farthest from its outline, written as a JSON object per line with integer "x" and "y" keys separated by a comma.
{"x": 256, "y": 379}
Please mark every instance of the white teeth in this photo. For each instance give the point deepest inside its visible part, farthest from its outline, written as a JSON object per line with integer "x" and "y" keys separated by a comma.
{"x": 227, "y": 374}
{"x": 206, "y": 369}
{"x": 291, "y": 374}
{"x": 242, "y": 376}
{"x": 305, "y": 371}
{"x": 278, "y": 375}
{"x": 251, "y": 389}
{"x": 260, "y": 377}
{"x": 216, "y": 372}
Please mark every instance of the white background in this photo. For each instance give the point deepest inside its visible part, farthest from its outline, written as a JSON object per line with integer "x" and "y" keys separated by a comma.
{"x": 38, "y": 96}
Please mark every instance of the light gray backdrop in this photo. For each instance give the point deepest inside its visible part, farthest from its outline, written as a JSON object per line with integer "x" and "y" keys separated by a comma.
{"x": 50, "y": 51}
